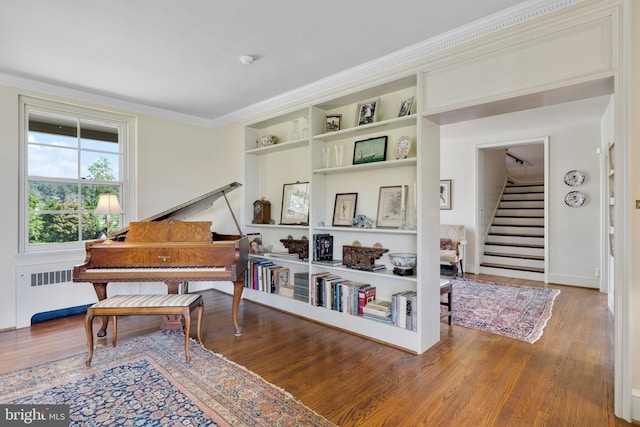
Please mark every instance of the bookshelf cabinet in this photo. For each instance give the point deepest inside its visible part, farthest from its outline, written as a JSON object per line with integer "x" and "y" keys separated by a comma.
{"x": 298, "y": 157}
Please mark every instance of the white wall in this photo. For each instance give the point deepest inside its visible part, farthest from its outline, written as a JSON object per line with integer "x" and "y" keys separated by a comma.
{"x": 8, "y": 209}
{"x": 490, "y": 179}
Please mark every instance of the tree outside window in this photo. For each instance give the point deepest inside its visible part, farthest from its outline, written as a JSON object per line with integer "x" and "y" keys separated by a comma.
{"x": 70, "y": 159}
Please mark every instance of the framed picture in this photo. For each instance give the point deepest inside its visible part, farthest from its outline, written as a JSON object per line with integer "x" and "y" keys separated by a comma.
{"x": 390, "y": 202}
{"x": 344, "y": 209}
{"x": 367, "y": 112}
{"x": 370, "y": 150}
{"x": 323, "y": 248}
{"x": 405, "y": 107}
{"x": 332, "y": 122}
{"x": 255, "y": 242}
{"x": 445, "y": 194}
{"x": 295, "y": 204}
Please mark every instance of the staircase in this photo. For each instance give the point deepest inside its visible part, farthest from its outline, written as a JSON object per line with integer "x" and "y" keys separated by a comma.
{"x": 515, "y": 244}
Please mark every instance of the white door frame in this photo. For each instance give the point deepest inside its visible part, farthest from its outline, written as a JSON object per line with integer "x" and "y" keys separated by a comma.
{"x": 480, "y": 237}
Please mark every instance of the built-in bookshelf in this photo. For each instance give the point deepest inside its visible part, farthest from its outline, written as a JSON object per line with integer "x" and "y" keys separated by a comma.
{"x": 387, "y": 196}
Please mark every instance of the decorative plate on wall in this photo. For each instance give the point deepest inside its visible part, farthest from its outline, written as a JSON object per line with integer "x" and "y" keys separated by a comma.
{"x": 575, "y": 199}
{"x": 574, "y": 178}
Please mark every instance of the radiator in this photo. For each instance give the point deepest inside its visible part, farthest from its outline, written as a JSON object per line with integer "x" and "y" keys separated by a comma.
{"x": 44, "y": 288}
{"x": 48, "y": 287}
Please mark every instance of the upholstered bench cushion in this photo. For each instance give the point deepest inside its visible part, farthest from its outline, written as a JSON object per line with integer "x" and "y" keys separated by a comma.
{"x": 147, "y": 301}
{"x": 130, "y": 305}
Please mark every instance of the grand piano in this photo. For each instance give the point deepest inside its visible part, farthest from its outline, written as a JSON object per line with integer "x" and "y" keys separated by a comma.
{"x": 166, "y": 248}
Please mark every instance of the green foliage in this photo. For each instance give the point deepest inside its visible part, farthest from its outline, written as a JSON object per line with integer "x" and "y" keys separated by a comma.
{"x": 101, "y": 171}
{"x": 55, "y": 212}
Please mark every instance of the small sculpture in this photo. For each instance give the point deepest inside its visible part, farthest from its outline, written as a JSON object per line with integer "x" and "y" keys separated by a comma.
{"x": 362, "y": 221}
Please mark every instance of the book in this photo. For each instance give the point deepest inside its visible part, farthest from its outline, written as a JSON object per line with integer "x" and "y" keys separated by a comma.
{"x": 301, "y": 286}
{"x": 315, "y": 289}
{"x": 400, "y": 316}
{"x": 377, "y": 319}
{"x": 366, "y": 294}
{"x": 279, "y": 278}
{"x": 283, "y": 255}
{"x": 379, "y": 307}
{"x": 412, "y": 311}
{"x": 323, "y": 247}
{"x": 286, "y": 291}
{"x": 331, "y": 263}
{"x": 374, "y": 267}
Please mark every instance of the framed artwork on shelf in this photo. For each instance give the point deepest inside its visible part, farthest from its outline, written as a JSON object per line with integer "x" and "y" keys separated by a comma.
{"x": 390, "y": 203}
{"x": 370, "y": 150}
{"x": 332, "y": 122}
{"x": 445, "y": 194}
{"x": 295, "y": 204}
{"x": 344, "y": 209}
{"x": 405, "y": 107}
{"x": 367, "y": 112}
{"x": 255, "y": 242}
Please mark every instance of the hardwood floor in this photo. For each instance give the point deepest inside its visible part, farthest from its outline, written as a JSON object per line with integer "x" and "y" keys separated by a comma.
{"x": 469, "y": 378}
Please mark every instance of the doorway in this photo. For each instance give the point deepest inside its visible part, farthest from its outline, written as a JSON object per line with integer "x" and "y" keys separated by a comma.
{"x": 512, "y": 209}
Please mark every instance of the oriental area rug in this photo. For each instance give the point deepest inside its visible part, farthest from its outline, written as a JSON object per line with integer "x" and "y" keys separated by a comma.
{"x": 145, "y": 382}
{"x": 519, "y": 312}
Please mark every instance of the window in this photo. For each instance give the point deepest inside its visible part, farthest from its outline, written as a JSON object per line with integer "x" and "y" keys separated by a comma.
{"x": 70, "y": 156}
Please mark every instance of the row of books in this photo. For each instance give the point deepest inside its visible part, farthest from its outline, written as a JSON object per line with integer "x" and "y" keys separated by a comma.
{"x": 378, "y": 310}
{"x": 267, "y": 276}
{"x": 336, "y": 293}
{"x": 405, "y": 310}
{"x": 301, "y": 286}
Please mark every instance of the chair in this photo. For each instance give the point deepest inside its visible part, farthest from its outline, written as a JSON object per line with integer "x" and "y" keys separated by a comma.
{"x": 452, "y": 245}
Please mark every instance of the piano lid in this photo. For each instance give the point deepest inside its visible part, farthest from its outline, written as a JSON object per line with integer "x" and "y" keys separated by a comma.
{"x": 191, "y": 207}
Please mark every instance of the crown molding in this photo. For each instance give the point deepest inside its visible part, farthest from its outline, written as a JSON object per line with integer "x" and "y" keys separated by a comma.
{"x": 97, "y": 99}
{"x": 502, "y": 20}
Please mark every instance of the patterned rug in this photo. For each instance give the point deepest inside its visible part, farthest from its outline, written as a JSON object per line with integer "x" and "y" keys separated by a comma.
{"x": 519, "y": 312}
{"x": 146, "y": 382}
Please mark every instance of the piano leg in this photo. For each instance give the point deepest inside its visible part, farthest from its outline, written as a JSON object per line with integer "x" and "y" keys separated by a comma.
{"x": 172, "y": 321}
{"x": 101, "y": 292}
{"x": 238, "y": 287}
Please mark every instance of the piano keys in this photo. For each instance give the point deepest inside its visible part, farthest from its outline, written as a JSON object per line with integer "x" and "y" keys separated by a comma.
{"x": 164, "y": 248}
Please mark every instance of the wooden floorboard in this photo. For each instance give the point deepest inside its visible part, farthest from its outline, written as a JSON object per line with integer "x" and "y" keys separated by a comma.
{"x": 470, "y": 378}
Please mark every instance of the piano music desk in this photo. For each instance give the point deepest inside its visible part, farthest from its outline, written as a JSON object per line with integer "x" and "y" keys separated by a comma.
{"x": 129, "y": 305}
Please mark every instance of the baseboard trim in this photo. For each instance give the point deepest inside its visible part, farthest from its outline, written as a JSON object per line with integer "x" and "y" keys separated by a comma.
{"x": 586, "y": 282}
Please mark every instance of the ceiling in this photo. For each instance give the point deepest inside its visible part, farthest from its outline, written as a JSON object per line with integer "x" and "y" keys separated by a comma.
{"x": 183, "y": 56}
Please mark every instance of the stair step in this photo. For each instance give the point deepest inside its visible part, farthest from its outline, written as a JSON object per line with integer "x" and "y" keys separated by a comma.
{"x": 521, "y": 212}
{"x": 517, "y": 230}
{"x": 522, "y": 256}
{"x": 517, "y": 245}
{"x": 515, "y": 250}
{"x": 519, "y": 221}
{"x": 521, "y": 204}
{"x": 510, "y": 267}
{"x": 514, "y": 234}
{"x": 506, "y": 272}
{"x": 522, "y": 196}
{"x": 532, "y": 188}
{"x": 513, "y": 262}
{"x": 514, "y": 239}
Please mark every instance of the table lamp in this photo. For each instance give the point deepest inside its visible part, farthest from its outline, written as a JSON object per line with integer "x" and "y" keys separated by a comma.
{"x": 108, "y": 205}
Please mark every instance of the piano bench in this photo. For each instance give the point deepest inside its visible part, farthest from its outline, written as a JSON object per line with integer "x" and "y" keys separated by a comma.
{"x": 131, "y": 305}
